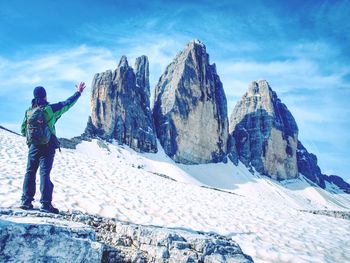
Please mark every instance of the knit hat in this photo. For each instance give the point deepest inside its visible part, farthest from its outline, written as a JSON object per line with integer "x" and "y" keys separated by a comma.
{"x": 39, "y": 92}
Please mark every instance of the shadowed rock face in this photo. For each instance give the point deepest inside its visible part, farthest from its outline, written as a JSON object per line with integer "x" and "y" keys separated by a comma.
{"x": 190, "y": 108}
{"x": 120, "y": 107}
{"x": 307, "y": 165}
{"x": 265, "y": 133}
{"x": 142, "y": 81}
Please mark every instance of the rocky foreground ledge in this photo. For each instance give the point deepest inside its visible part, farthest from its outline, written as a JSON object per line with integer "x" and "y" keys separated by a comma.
{"x": 33, "y": 236}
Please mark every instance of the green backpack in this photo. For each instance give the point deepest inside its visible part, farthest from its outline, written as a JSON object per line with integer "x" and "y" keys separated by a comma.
{"x": 37, "y": 131}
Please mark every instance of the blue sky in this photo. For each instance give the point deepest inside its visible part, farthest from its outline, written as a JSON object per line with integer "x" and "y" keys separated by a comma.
{"x": 300, "y": 47}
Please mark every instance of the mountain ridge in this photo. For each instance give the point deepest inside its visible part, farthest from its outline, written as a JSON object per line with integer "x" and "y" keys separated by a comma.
{"x": 190, "y": 119}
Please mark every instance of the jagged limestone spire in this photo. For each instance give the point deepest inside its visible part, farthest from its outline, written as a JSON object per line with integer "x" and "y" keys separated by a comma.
{"x": 190, "y": 108}
{"x": 265, "y": 132}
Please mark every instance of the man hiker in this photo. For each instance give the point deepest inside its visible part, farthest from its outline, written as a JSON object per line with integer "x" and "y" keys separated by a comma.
{"x": 39, "y": 128}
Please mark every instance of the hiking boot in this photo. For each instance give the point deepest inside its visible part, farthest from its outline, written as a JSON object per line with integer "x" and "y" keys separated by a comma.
{"x": 26, "y": 205}
{"x": 48, "y": 208}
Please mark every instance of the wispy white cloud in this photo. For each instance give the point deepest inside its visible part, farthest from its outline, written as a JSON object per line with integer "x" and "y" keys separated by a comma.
{"x": 284, "y": 76}
{"x": 291, "y": 74}
{"x": 69, "y": 65}
{"x": 58, "y": 71}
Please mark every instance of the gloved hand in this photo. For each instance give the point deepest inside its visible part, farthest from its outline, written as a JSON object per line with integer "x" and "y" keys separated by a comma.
{"x": 81, "y": 87}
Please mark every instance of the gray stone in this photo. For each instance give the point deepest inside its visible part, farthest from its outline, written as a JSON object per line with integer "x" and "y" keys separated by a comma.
{"x": 265, "y": 133}
{"x": 142, "y": 81}
{"x": 120, "y": 106}
{"x": 190, "y": 108}
{"x": 118, "y": 241}
{"x": 264, "y": 136}
{"x": 31, "y": 239}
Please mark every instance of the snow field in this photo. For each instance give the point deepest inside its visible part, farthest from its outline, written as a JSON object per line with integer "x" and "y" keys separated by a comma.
{"x": 260, "y": 214}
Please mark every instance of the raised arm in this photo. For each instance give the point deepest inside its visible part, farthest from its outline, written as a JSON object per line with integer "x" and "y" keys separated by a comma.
{"x": 63, "y": 106}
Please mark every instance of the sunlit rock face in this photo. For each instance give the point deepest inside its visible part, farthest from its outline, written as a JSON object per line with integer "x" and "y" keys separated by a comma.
{"x": 120, "y": 106}
{"x": 265, "y": 132}
{"x": 190, "y": 108}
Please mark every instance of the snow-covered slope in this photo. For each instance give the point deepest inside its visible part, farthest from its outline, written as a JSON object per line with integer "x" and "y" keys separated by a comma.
{"x": 262, "y": 215}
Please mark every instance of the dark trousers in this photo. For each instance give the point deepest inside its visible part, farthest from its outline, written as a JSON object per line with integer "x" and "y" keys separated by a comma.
{"x": 42, "y": 156}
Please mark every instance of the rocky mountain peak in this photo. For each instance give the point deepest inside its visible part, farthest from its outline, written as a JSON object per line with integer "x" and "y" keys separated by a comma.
{"x": 264, "y": 136}
{"x": 259, "y": 96}
{"x": 190, "y": 108}
{"x": 259, "y": 88}
{"x": 190, "y": 118}
{"x": 120, "y": 107}
{"x": 265, "y": 132}
{"x": 123, "y": 62}
{"x": 142, "y": 81}
{"x": 195, "y": 43}
{"x": 197, "y": 50}
{"x": 142, "y": 72}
